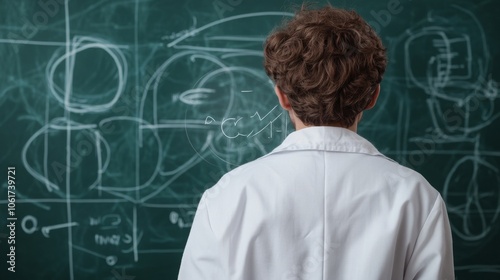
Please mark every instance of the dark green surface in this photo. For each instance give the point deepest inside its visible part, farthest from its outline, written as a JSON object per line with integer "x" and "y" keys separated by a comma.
{"x": 118, "y": 114}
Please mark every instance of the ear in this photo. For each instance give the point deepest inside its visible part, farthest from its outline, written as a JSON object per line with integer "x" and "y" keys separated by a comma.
{"x": 283, "y": 99}
{"x": 374, "y": 98}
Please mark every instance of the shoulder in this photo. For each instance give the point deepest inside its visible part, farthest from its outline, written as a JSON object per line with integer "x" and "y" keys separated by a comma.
{"x": 392, "y": 173}
{"x": 389, "y": 181}
{"x": 398, "y": 174}
{"x": 234, "y": 197}
{"x": 409, "y": 186}
{"x": 236, "y": 180}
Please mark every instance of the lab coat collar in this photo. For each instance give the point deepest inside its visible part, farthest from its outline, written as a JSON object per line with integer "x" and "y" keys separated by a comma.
{"x": 327, "y": 138}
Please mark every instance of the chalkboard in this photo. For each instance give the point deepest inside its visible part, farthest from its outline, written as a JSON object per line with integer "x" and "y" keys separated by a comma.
{"x": 117, "y": 115}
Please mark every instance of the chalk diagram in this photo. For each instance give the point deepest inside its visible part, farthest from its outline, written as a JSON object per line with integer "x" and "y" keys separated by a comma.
{"x": 119, "y": 155}
{"x": 124, "y": 151}
{"x": 447, "y": 58}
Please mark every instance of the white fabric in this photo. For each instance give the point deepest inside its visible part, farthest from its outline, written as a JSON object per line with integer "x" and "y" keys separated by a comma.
{"x": 325, "y": 204}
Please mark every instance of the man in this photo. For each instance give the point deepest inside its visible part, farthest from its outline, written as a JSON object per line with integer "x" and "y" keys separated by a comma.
{"x": 325, "y": 204}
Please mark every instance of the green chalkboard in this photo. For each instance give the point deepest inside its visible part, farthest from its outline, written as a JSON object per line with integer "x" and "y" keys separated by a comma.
{"x": 117, "y": 115}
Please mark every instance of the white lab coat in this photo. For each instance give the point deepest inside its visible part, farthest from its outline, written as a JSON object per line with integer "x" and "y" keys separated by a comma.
{"x": 325, "y": 204}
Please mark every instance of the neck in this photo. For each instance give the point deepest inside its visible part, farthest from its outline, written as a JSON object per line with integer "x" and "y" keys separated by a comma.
{"x": 298, "y": 124}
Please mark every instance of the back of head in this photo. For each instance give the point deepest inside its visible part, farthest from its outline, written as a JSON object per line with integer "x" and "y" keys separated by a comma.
{"x": 328, "y": 62}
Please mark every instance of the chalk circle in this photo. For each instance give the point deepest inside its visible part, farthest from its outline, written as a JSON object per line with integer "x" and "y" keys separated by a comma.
{"x": 86, "y": 103}
{"x": 232, "y": 122}
{"x": 84, "y": 149}
{"x": 111, "y": 260}
{"x": 472, "y": 193}
{"x": 25, "y": 224}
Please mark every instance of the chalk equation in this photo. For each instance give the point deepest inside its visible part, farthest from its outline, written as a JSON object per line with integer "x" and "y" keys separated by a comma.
{"x": 234, "y": 127}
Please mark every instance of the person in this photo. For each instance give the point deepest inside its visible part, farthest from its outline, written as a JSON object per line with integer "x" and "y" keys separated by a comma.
{"x": 325, "y": 204}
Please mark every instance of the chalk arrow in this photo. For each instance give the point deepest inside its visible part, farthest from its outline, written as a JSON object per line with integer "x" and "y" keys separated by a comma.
{"x": 46, "y": 230}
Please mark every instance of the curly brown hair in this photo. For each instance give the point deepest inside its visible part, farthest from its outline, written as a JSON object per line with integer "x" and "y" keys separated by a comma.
{"x": 328, "y": 62}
